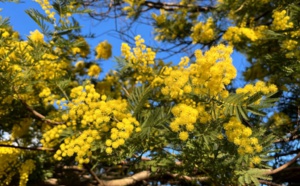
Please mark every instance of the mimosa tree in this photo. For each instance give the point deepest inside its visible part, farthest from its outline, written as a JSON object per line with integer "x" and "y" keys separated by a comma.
{"x": 149, "y": 121}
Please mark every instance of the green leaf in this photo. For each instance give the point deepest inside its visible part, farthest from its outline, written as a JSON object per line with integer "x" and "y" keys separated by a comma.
{"x": 256, "y": 112}
{"x": 247, "y": 178}
{"x": 153, "y": 168}
{"x": 241, "y": 180}
{"x": 138, "y": 98}
{"x": 154, "y": 119}
{"x": 255, "y": 181}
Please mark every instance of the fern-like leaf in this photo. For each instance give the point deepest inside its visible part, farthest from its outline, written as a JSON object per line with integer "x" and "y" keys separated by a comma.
{"x": 241, "y": 104}
{"x": 155, "y": 119}
{"x": 40, "y": 20}
{"x": 138, "y": 98}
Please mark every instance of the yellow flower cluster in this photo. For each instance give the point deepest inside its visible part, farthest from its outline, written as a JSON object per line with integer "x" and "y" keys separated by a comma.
{"x": 25, "y": 63}
{"x": 174, "y": 25}
{"x": 75, "y": 50}
{"x": 83, "y": 49}
{"x": 103, "y": 50}
{"x": 36, "y": 37}
{"x": 89, "y": 109}
{"x": 51, "y": 67}
{"x": 9, "y": 158}
{"x": 203, "y": 32}
{"x": 213, "y": 70}
{"x": 133, "y": 6}
{"x": 13, "y": 51}
{"x": 255, "y": 160}
{"x": 5, "y": 34}
{"x": 80, "y": 145}
{"x": 94, "y": 70}
{"x": 185, "y": 118}
{"x": 48, "y": 98}
{"x": 46, "y": 6}
{"x": 21, "y": 128}
{"x": 204, "y": 116}
{"x": 51, "y": 136}
{"x": 25, "y": 170}
{"x": 21, "y": 60}
{"x": 289, "y": 44}
{"x": 207, "y": 76}
{"x": 141, "y": 59}
{"x": 280, "y": 119}
{"x": 122, "y": 131}
{"x": 259, "y": 86}
{"x": 237, "y": 34}
{"x": 281, "y": 21}
{"x": 240, "y": 135}
{"x": 176, "y": 82}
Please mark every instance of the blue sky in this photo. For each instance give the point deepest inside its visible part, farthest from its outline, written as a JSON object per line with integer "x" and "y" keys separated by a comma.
{"x": 22, "y": 23}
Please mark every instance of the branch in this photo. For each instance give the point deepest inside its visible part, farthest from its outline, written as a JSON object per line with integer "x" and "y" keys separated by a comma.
{"x": 39, "y": 115}
{"x": 175, "y": 6}
{"x": 269, "y": 183}
{"x": 100, "y": 182}
{"x": 283, "y": 166}
{"x": 188, "y": 178}
{"x": 75, "y": 168}
{"x": 149, "y": 159}
{"x": 28, "y": 148}
{"x": 129, "y": 180}
{"x": 294, "y": 137}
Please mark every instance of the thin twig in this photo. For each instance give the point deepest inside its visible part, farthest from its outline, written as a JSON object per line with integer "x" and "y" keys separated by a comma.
{"x": 100, "y": 182}
{"x": 127, "y": 93}
{"x": 34, "y": 112}
{"x": 176, "y": 6}
{"x": 66, "y": 96}
{"x": 294, "y": 137}
{"x": 28, "y": 148}
{"x": 39, "y": 115}
{"x": 269, "y": 183}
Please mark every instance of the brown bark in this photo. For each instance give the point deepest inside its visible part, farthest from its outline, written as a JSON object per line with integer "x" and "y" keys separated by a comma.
{"x": 284, "y": 166}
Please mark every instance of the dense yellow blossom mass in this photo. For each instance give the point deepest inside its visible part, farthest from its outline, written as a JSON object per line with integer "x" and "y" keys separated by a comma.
{"x": 281, "y": 20}
{"x": 25, "y": 170}
{"x": 259, "y": 86}
{"x": 208, "y": 75}
{"x": 8, "y": 158}
{"x": 203, "y": 32}
{"x": 91, "y": 117}
{"x": 141, "y": 59}
{"x": 36, "y": 36}
{"x": 94, "y": 70}
{"x": 46, "y": 6}
{"x": 236, "y": 34}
